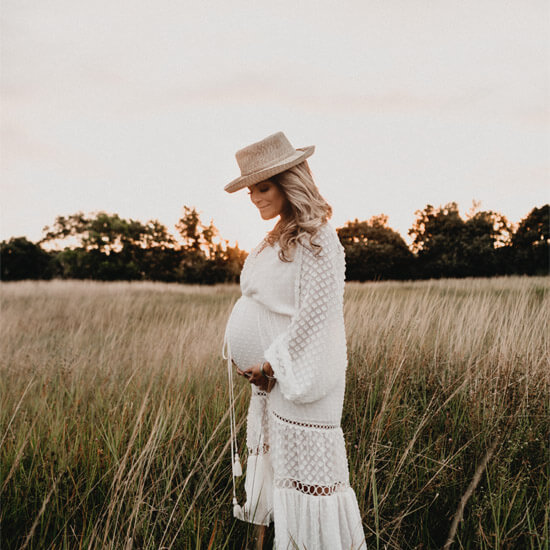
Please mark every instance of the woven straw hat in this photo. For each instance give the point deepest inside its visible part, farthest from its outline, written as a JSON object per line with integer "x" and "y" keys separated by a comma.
{"x": 265, "y": 158}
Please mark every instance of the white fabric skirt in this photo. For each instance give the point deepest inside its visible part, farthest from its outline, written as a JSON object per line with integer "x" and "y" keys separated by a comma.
{"x": 297, "y": 472}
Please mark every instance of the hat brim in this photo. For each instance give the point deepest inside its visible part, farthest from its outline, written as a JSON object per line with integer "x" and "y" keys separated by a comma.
{"x": 301, "y": 154}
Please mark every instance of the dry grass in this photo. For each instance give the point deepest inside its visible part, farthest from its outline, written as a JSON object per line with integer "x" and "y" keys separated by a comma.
{"x": 113, "y": 426}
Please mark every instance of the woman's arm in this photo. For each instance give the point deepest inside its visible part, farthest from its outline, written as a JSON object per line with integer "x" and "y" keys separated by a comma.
{"x": 310, "y": 356}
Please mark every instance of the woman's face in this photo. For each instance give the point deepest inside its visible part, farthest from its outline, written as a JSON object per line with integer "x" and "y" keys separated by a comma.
{"x": 268, "y": 198}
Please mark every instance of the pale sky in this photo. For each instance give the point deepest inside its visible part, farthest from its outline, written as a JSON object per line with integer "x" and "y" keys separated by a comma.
{"x": 138, "y": 107}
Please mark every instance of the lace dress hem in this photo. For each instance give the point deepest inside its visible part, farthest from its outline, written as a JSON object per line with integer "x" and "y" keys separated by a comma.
{"x": 311, "y": 522}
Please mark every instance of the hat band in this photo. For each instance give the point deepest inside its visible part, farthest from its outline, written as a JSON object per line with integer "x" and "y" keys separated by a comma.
{"x": 272, "y": 162}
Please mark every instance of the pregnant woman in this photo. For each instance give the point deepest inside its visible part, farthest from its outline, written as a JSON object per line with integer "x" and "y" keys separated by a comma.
{"x": 286, "y": 336}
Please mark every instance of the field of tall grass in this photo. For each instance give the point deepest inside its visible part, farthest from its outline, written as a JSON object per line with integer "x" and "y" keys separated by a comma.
{"x": 114, "y": 430}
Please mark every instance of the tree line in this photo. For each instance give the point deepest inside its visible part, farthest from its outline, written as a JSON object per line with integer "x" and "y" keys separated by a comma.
{"x": 106, "y": 247}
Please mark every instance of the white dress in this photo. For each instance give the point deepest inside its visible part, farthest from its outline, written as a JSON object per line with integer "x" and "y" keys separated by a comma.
{"x": 291, "y": 314}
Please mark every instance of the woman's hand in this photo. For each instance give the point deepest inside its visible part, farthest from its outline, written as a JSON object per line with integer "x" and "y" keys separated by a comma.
{"x": 255, "y": 377}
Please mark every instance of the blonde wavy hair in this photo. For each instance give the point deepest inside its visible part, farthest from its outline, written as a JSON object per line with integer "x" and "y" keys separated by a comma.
{"x": 306, "y": 210}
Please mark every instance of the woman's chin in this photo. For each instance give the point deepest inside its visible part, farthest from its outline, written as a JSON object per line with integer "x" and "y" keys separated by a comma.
{"x": 267, "y": 215}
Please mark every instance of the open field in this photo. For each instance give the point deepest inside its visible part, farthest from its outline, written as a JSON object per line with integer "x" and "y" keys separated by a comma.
{"x": 114, "y": 430}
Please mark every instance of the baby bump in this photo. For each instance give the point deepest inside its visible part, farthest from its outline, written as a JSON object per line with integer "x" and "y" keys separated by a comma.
{"x": 251, "y": 329}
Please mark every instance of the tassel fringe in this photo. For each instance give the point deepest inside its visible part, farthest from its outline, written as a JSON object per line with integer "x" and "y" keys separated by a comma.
{"x": 235, "y": 460}
{"x": 237, "y": 468}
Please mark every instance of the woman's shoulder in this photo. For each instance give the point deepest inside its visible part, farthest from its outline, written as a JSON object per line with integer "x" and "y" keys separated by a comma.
{"x": 327, "y": 232}
{"x": 326, "y": 237}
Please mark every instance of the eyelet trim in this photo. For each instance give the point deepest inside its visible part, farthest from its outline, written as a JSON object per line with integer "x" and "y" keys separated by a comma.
{"x": 316, "y": 490}
{"x": 305, "y": 424}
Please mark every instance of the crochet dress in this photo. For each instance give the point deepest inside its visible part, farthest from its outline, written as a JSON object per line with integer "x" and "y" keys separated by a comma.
{"x": 291, "y": 314}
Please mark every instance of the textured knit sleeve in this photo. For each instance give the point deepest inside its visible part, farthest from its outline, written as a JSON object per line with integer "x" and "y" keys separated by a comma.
{"x": 309, "y": 358}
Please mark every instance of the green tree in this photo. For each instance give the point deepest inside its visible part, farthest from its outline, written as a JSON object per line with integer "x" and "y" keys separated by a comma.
{"x": 110, "y": 247}
{"x": 108, "y": 232}
{"x": 485, "y": 242}
{"x": 23, "y": 259}
{"x": 446, "y": 245}
{"x": 190, "y": 228}
{"x": 531, "y": 242}
{"x": 206, "y": 258}
{"x": 374, "y": 250}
